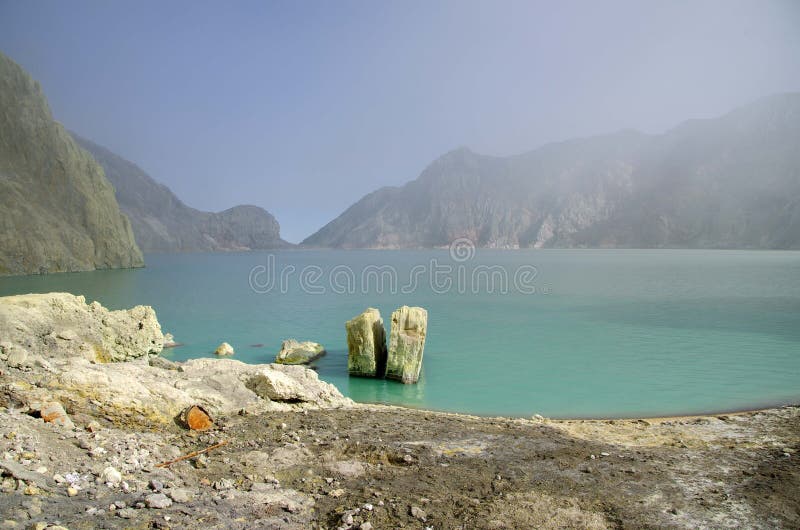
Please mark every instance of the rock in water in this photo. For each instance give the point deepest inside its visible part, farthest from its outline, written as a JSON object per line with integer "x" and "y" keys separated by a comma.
{"x": 294, "y": 352}
{"x": 224, "y": 349}
{"x": 406, "y": 344}
{"x": 366, "y": 344}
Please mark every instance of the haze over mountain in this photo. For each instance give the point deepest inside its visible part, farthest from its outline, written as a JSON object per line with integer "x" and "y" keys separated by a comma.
{"x": 729, "y": 182}
{"x": 58, "y": 211}
{"x": 205, "y": 97}
{"x": 163, "y": 223}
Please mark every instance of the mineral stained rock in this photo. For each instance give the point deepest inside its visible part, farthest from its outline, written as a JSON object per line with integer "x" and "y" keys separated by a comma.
{"x": 294, "y": 352}
{"x": 366, "y": 344}
{"x": 196, "y": 418}
{"x": 61, "y": 325}
{"x": 406, "y": 344}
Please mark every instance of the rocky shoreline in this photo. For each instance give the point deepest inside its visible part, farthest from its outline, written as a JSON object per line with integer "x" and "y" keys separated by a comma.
{"x": 289, "y": 451}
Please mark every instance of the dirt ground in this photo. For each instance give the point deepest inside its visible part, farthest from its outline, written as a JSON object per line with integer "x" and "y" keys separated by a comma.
{"x": 388, "y": 467}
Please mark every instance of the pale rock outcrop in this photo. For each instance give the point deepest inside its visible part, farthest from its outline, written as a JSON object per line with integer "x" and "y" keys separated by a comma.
{"x": 294, "y": 352}
{"x": 220, "y": 386}
{"x": 406, "y": 344}
{"x": 62, "y": 325}
{"x": 67, "y": 371}
{"x": 366, "y": 344}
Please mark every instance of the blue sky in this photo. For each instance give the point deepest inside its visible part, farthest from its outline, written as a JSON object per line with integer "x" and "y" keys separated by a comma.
{"x": 303, "y": 107}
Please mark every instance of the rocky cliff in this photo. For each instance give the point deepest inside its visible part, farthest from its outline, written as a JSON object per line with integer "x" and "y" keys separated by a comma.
{"x": 59, "y": 212}
{"x": 163, "y": 223}
{"x": 729, "y": 182}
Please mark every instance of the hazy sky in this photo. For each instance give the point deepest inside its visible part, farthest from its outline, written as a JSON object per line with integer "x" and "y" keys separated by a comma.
{"x": 303, "y": 107}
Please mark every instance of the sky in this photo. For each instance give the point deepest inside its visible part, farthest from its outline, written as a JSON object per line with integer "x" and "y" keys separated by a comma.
{"x": 302, "y": 107}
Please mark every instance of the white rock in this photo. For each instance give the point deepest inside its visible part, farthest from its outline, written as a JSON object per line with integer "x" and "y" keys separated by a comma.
{"x": 111, "y": 476}
{"x": 224, "y": 349}
{"x": 158, "y": 501}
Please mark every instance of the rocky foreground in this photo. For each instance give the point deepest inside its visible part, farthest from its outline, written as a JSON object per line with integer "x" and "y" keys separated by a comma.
{"x": 90, "y": 416}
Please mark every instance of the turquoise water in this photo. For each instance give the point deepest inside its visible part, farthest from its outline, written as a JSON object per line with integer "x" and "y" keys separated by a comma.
{"x": 607, "y": 333}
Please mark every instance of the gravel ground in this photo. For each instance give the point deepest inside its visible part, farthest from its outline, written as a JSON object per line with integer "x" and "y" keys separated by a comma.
{"x": 389, "y": 467}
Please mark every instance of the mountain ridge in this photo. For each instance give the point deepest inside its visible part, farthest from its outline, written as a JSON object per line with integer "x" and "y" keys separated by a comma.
{"x": 162, "y": 222}
{"x": 726, "y": 182}
{"x": 59, "y": 212}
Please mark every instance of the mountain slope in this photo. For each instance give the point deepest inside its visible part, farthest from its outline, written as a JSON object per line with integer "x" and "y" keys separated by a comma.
{"x": 730, "y": 182}
{"x": 59, "y": 212}
{"x": 162, "y": 223}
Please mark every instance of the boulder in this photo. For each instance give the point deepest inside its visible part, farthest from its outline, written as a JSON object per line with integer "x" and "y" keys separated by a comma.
{"x": 224, "y": 349}
{"x": 366, "y": 344}
{"x": 63, "y": 326}
{"x": 406, "y": 344}
{"x": 294, "y": 352}
{"x": 292, "y": 384}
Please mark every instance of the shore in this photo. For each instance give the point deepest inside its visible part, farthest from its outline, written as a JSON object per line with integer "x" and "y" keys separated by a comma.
{"x": 288, "y": 451}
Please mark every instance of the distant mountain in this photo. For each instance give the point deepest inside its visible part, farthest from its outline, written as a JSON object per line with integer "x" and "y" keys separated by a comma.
{"x": 57, "y": 210}
{"x": 162, "y": 223}
{"x": 728, "y": 182}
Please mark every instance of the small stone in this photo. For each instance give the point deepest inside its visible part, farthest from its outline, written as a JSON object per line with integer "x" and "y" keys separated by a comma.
{"x": 180, "y": 495}
{"x": 336, "y": 493}
{"x": 158, "y": 501}
{"x": 93, "y": 426}
{"x": 126, "y": 513}
{"x": 71, "y": 491}
{"x": 197, "y": 418}
{"x": 38, "y": 526}
{"x": 30, "y": 489}
{"x": 17, "y": 358}
{"x": 59, "y": 479}
{"x": 223, "y": 484}
{"x": 54, "y": 413}
{"x": 605, "y": 454}
{"x": 224, "y": 349}
{"x": 366, "y": 526}
{"x": 592, "y": 457}
{"x": 347, "y": 518}
{"x": 418, "y": 513}
{"x": 156, "y": 485}
{"x": 368, "y": 507}
{"x": 111, "y": 476}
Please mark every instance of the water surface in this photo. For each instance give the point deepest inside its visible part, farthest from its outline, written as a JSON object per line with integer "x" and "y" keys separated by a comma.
{"x": 595, "y": 333}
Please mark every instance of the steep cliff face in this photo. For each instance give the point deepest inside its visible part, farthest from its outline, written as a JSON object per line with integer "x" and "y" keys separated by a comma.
{"x": 59, "y": 212}
{"x": 163, "y": 223}
{"x": 731, "y": 182}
